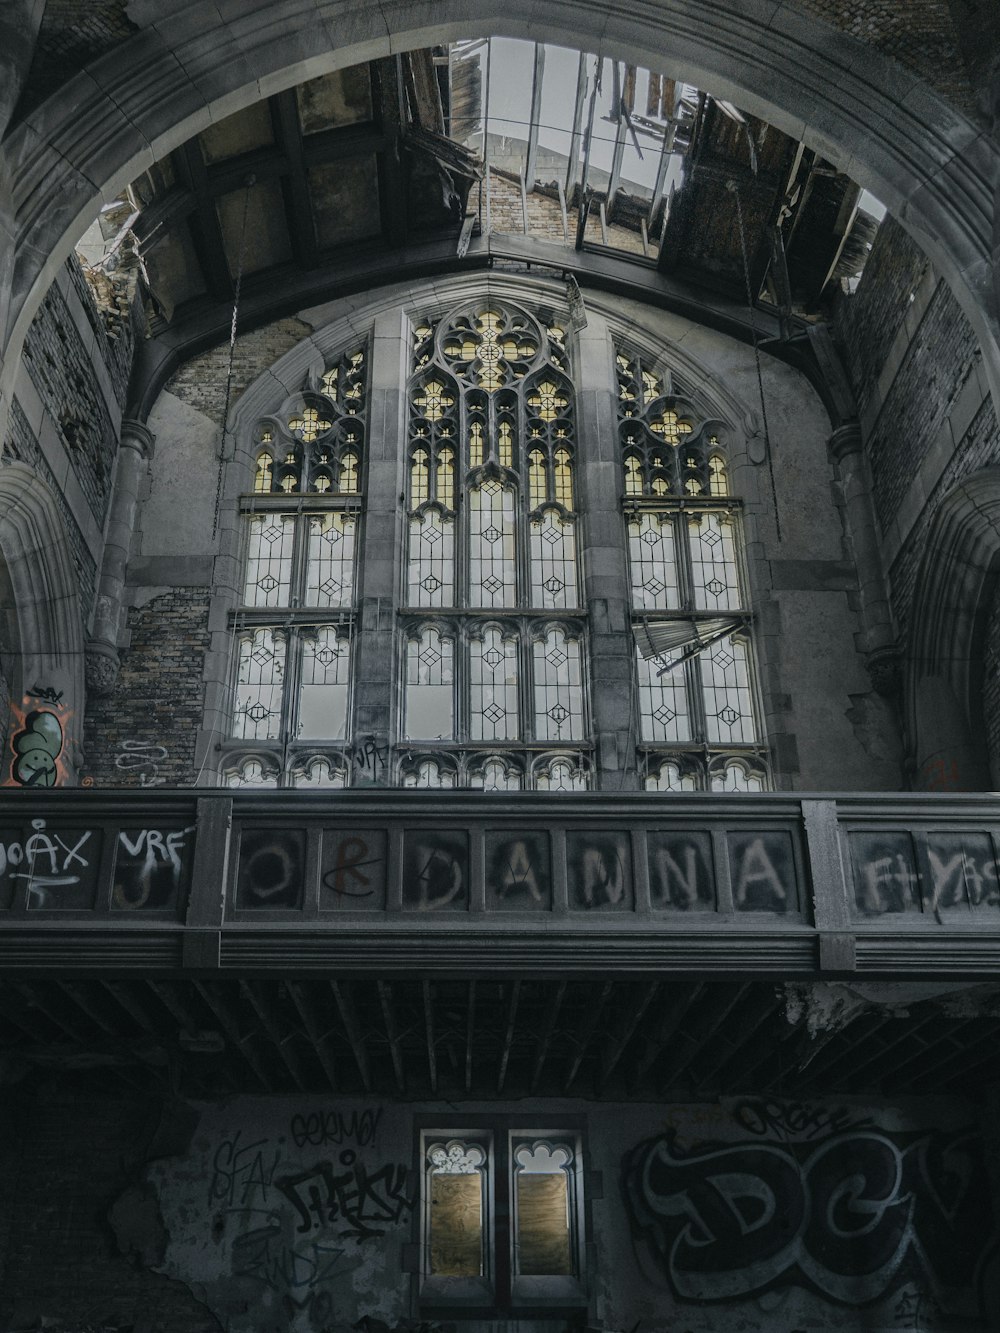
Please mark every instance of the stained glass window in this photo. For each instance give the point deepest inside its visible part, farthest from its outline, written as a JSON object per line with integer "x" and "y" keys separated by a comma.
{"x": 301, "y": 522}
{"x": 491, "y": 492}
{"x": 697, "y": 698}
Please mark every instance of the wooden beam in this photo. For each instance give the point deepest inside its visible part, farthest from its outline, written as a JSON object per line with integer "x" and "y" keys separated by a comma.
{"x": 389, "y": 1018}
{"x": 470, "y": 1032}
{"x": 515, "y": 993}
{"x": 576, "y": 133}
{"x": 587, "y": 1030}
{"x": 615, "y": 1047}
{"x": 43, "y": 1003}
{"x": 428, "y": 995}
{"x": 311, "y": 1024}
{"x": 393, "y": 197}
{"x": 295, "y": 187}
{"x": 261, "y": 1004}
{"x": 545, "y": 1036}
{"x": 129, "y": 1002}
{"x": 710, "y": 1020}
{"x": 345, "y": 1007}
{"x": 219, "y": 1005}
{"x": 671, "y": 1021}
{"x": 206, "y": 229}
{"x": 747, "y": 1025}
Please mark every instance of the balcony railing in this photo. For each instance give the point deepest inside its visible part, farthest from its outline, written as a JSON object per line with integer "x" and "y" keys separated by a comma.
{"x": 414, "y": 882}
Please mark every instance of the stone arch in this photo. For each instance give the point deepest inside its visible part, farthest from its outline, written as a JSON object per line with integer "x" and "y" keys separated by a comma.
{"x": 42, "y": 584}
{"x": 935, "y": 171}
{"x": 956, "y": 584}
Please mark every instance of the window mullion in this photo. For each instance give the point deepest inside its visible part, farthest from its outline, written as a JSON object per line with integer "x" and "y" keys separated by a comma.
{"x": 503, "y": 1222}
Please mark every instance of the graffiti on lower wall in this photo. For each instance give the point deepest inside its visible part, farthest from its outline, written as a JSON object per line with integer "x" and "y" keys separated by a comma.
{"x": 286, "y": 1225}
{"x": 852, "y": 1213}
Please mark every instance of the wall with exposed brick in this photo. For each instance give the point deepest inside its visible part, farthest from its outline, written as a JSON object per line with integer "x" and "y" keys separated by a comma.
{"x": 919, "y": 34}
{"x": 143, "y": 735}
{"x": 67, "y": 1159}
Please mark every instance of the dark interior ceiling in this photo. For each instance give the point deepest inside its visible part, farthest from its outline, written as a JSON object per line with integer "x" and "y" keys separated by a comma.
{"x": 581, "y": 1036}
{"x": 350, "y": 170}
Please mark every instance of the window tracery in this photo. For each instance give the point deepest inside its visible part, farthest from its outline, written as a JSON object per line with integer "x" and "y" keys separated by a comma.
{"x": 492, "y": 528}
{"x": 294, "y": 627}
{"x": 688, "y": 587}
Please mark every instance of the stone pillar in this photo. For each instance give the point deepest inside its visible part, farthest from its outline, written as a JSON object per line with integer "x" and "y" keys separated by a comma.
{"x": 877, "y": 640}
{"x": 102, "y": 650}
{"x": 381, "y": 555}
{"x": 605, "y": 572}
{"x": 19, "y": 20}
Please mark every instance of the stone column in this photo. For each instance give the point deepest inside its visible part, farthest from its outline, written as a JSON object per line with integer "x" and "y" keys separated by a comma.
{"x": 19, "y": 20}
{"x": 134, "y": 452}
{"x": 605, "y": 571}
{"x": 381, "y": 554}
{"x": 878, "y": 639}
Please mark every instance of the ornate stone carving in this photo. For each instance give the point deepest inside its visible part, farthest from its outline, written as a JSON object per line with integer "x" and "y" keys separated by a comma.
{"x": 102, "y": 668}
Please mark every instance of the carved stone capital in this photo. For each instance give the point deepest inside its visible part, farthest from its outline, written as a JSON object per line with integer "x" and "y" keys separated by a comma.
{"x": 101, "y": 668}
{"x": 137, "y": 436}
{"x": 844, "y": 441}
{"x": 885, "y": 667}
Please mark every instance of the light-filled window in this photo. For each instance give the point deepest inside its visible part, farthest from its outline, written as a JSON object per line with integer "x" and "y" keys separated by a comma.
{"x": 502, "y": 1219}
{"x": 698, "y": 716}
{"x": 494, "y": 634}
{"x": 294, "y": 630}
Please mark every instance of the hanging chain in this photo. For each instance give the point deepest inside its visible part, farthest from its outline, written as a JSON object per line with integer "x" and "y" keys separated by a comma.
{"x": 734, "y": 187}
{"x": 251, "y": 181}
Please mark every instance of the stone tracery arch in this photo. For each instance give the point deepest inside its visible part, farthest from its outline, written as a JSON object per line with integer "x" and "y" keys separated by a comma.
{"x": 44, "y": 586}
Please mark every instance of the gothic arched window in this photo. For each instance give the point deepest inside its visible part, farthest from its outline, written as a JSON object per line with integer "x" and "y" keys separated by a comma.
{"x": 699, "y": 725}
{"x": 494, "y": 652}
{"x": 294, "y": 629}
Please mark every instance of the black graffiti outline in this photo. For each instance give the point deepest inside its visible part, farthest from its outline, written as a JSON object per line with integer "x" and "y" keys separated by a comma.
{"x": 851, "y": 1217}
{"x": 322, "y": 1196}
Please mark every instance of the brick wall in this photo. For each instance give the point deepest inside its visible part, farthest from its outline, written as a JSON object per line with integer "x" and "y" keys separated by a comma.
{"x": 868, "y": 321}
{"x": 144, "y": 734}
{"x": 201, "y": 382}
{"x": 919, "y": 34}
{"x": 21, "y": 445}
{"x": 545, "y": 219}
{"x": 59, "y": 1261}
{"x": 938, "y": 363}
{"x": 61, "y": 371}
{"x": 72, "y": 33}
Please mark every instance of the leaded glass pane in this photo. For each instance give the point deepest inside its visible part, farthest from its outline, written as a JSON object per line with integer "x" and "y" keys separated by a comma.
{"x": 257, "y": 711}
{"x": 326, "y": 667}
{"x": 431, "y": 563}
{"x": 330, "y": 559}
{"x": 725, "y": 678}
{"x": 492, "y": 556}
{"x": 668, "y": 776}
{"x": 495, "y": 774}
{"x": 269, "y": 559}
{"x": 320, "y": 772}
{"x": 493, "y": 688}
{"x": 653, "y": 562}
{"x": 429, "y": 687}
{"x": 553, "y": 561}
{"x": 663, "y": 703}
{"x": 251, "y": 773}
{"x": 561, "y": 774}
{"x": 736, "y": 777}
{"x": 714, "y": 569}
{"x": 429, "y": 773}
{"x": 558, "y": 688}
